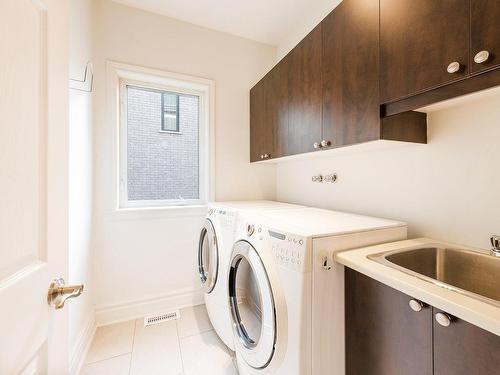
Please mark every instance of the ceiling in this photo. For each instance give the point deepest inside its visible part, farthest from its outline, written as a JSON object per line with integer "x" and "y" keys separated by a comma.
{"x": 266, "y": 21}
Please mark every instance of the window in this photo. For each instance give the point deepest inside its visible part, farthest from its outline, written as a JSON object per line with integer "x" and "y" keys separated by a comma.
{"x": 170, "y": 112}
{"x": 164, "y": 138}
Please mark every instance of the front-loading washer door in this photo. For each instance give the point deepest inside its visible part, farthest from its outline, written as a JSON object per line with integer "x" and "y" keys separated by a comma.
{"x": 252, "y": 306}
{"x": 208, "y": 256}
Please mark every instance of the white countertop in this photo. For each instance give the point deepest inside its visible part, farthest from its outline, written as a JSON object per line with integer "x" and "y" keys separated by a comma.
{"x": 464, "y": 307}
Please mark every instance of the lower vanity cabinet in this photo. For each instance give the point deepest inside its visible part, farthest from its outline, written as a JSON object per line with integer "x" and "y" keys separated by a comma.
{"x": 464, "y": 349}
{"x": 391, "y": 333}
{"x": 384, "y": 336}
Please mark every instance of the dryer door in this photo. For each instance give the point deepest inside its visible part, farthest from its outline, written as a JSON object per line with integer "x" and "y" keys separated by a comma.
{"x": 252, "y": 306}
{"x": 208, "y": 256}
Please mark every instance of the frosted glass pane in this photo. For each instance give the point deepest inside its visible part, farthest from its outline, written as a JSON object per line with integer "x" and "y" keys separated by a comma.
{"x": 162, "y": 165}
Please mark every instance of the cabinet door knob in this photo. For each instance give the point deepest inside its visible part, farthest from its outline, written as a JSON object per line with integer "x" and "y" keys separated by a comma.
{"x": 454, "y": 67}
{"x": 325, "y": 143}
{"x": 267, "y": 156}
{"x": 416, "y": 305}
{"x": 481, "y": 57}
{"x": 443, "y": 319}
{"x": 317, "y": 145}
{"x": 262, "y": 156}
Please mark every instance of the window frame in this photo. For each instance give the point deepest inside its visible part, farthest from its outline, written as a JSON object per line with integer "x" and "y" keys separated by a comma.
{"x": 177, "y": 114}
{"x": 122, "y": 75}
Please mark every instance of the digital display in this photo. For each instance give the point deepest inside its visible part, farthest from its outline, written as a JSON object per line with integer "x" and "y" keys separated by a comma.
{"x": 279, "y": 236}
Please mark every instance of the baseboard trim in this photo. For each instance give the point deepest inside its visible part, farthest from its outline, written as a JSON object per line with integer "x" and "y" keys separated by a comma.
{"x": 81, "y": 347}
{"x": 134, "y": 309}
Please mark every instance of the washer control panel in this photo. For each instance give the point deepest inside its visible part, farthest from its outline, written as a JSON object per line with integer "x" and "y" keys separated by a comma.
{"x": 289, "y": 251}
{"x": 226, "y": 218}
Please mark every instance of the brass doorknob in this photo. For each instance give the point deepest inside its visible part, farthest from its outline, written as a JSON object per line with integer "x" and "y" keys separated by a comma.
{"x": 58, "y": 292}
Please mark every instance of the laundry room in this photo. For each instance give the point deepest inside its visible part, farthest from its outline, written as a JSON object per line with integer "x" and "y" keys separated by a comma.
{"x": 303, "y": 187}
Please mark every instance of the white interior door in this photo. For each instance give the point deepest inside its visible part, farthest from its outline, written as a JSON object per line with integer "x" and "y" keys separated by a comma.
{"x": 33, "y": 183}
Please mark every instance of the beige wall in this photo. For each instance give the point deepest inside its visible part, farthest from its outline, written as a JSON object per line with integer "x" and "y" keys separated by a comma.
{"x": 448, "y": 189}
{"x": 152, "y": 254}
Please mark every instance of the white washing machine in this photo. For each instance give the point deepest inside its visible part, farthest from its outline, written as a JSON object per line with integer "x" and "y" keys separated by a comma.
{"x": 286, "y": 294}
{"x": 214, "y": 250}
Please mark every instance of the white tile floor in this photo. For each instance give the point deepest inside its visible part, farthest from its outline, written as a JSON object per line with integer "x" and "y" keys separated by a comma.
{"x": 187, "y": 346}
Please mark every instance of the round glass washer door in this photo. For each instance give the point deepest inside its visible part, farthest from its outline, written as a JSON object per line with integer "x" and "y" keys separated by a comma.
{"x": 208, "y": 256}
{"x": 252, "y": 306}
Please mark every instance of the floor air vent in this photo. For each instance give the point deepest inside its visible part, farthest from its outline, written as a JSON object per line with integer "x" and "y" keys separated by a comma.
{"x": 160, "y": 318}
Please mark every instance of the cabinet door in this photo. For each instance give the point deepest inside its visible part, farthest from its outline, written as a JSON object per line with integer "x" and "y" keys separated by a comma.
{"x": 350, "y": 62}
{"x": 384, "y": 336}
{"x": 485, "y": 33}
{"x": 418, "y": 40}
{"x": 464, "y": 349}
{"x": 261, "y": 131}
{"x": 278, "y": 102}
{"x": 305, "y": 94}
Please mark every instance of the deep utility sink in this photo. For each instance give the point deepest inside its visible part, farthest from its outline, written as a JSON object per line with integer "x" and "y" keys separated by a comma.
{"x": 468, "y": 272}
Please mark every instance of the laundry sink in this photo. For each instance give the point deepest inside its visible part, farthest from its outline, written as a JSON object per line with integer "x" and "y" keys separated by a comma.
{"x": 468, "y": 272}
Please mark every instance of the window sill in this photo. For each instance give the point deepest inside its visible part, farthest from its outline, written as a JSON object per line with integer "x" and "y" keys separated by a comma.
{"x": 132, "y": 213}
{"x": 170, "y": 132}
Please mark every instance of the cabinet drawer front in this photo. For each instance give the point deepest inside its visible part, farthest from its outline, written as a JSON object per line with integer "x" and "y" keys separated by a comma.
{"x": 418, "y": 41}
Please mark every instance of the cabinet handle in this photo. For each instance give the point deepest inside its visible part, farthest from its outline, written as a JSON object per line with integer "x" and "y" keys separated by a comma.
{"x": 416, "y": 305}
{"x": 262, "y": 156}
{"x": 325, "y": 143}
{"x": 317, "y": 145}
{"x": 481, "y": 57}
{"x": 267, "y": 156}
{"x": 443, "y": 319}
{"x": 454, "y": 67}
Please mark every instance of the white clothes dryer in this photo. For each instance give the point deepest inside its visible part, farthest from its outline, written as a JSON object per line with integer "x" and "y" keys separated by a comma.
{"x": 286, "y": 294}
{"x": 214, "y": 250}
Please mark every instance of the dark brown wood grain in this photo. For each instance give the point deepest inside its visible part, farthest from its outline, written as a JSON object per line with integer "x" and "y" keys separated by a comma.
{"x": 279, "y": 107}
{"x": 305, "y": 93}
{"x": 261, "y": 131}
{"x": 418, "y": 40}
{"x": 269, "y": 114}
{"x": 485, "y": 32}
{"x": 466, "y": 86}
{"x": 383, "y": 335}
{"x": 407, "y": 127}
{"x": 350, "y": 73}
{"x": 464, "y": 349}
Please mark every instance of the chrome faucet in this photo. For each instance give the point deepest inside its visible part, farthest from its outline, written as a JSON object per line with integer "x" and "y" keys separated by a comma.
{"x": 495, "y": 243}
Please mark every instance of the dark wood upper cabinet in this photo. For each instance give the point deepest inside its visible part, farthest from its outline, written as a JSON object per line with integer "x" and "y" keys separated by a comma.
{"x": 418, "y": 41}
{"x": 305, "y": 91}
{"x": 384, "y": 336}
{"x": 351, "y": 112}
{"x": 464, "y": 349}
{"x": 261, "y": 129}
{"x": 485, "y": 34}
{"x": 269, "y": 114}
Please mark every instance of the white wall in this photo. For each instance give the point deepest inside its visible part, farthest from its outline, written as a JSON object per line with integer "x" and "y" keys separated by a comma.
{"x": 318, "y": 10}
{"x": 81, "y": 309}
{"x": 447, "y": 189}
{"x": 150, "y": 255}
